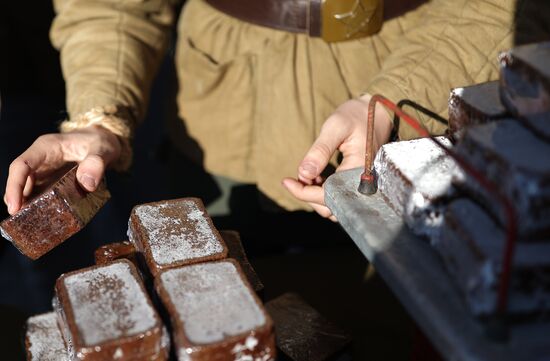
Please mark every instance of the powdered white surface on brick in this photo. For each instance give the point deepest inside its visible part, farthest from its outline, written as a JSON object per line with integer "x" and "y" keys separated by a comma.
{"x": 414, "y": 158}
{"x": 108, "y": 303}
{"x": 178, "y": 231}
{"x": 413, "y": 176}
{"x": 212, "y": 301}
{"x": 46, "y": 342}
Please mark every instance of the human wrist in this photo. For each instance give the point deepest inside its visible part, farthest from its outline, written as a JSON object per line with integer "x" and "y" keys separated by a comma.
{"x": 116, "y": 120}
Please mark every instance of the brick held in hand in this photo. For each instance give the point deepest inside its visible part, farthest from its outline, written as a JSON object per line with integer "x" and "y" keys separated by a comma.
{"x": 525, "y": 85}
{"x": 52, "y": 216}
{"x": 43, "y": 339}
{"x": 303, "y": 334}
{"x": 236, "y": 251}
{"x": 173, "y": 233}
{"x": 474, "y": 104}
{"x": 105, "y": 314}
{"x": 215, "y": 314}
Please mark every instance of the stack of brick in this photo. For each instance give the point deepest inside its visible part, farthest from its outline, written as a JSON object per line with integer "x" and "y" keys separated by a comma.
{"x": 502, "y": 129}
{"x": 211, "y": 309}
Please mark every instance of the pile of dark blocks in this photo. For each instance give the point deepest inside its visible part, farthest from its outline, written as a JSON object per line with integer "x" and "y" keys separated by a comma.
{"x": 502, "y": 129}
{"x": 179, "y": 290}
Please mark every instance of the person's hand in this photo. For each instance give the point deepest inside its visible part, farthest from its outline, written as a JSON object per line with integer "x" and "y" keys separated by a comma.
{"x": 345, "y": 130}
{"x": 94, "y": 148}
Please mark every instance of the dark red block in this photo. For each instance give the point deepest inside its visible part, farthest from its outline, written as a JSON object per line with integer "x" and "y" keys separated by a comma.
{"x": 174, "y": 233}
{"x": 236, "y": 251}
{"x": 215, "y": 314}
{"x": 303, "y": 334}
{"x": 52, "y": 216}
{"x": 105, "y": 313}
{"x": 114, "y": 251}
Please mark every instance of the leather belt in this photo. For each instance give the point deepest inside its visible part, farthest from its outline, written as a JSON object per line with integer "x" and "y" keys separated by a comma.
{"x": 333, "y": 20}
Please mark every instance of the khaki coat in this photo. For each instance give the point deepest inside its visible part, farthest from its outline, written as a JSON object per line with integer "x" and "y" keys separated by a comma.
{"x": 254, "y": 98}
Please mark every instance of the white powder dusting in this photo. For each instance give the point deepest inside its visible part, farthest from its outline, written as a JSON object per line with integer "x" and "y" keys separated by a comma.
{"x": 175, "y": 239}
{"x": 184, "y": 354}
{"x": 5, "y": 234}
{"x": 118, "y": 353}
{"x": 457, "y": 91}
{"x": 249, "y": 344}
{"x": 423, "y": 163}
{"x": 46, "y": 342}
{"x": 412, "y": 173}
{"x": 212, "y": 301}
{"x": 412, "y": 176}
{"x": 108, "y": 303}
{"x": 165, "y": 339}
{"x": 264, "y": 355}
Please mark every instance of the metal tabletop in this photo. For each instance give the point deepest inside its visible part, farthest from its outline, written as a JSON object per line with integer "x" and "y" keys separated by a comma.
{"x": 415, "y": 273}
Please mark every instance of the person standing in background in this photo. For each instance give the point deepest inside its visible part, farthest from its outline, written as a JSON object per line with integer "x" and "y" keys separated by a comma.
{"x": 257, "y": 81}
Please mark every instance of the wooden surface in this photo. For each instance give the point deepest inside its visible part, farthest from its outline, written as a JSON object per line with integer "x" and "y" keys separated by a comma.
{"x": 414, "y": 272}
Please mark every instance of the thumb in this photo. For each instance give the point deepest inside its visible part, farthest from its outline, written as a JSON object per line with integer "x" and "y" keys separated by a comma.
{"x": 316, "y": 159}
{"x": 90, "y": 172}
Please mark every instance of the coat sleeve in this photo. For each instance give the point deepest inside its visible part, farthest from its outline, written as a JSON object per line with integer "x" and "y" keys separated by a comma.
{"x": 110, "y": 53}
{"x": 453, "y": 43}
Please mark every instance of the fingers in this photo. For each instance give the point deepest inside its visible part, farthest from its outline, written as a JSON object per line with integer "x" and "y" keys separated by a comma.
{"x": 306, "y": 193}
{"x": 29, "y": 185}
{"x": 323, "y": 211}
{"x": 90, "y": 171}
{"x": 312, "y": 194}
{"x": 21, "y": 175}
{"x": 352, "y": 159}
{"x": 20, "y": 171}
{"x": 333, "y": 133}
{"x": 92, "y": 147}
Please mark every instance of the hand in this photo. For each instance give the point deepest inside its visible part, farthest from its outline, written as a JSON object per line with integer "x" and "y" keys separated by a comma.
{"x": 94, "y": 148}
{"x": 345, "y": 130}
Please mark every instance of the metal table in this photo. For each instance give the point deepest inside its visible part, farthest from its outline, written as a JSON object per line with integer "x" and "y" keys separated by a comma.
{"x": 414, "y": 272}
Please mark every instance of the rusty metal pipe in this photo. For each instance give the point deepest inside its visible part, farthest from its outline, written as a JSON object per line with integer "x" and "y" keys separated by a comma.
{"x": 368, "y": 182}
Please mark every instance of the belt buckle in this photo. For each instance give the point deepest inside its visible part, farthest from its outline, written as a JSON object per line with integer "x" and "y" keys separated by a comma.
{"x": 350, "y": 19}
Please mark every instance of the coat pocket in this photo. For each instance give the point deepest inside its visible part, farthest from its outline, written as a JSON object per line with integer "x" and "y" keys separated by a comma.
{"x": 217, "y": 101}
